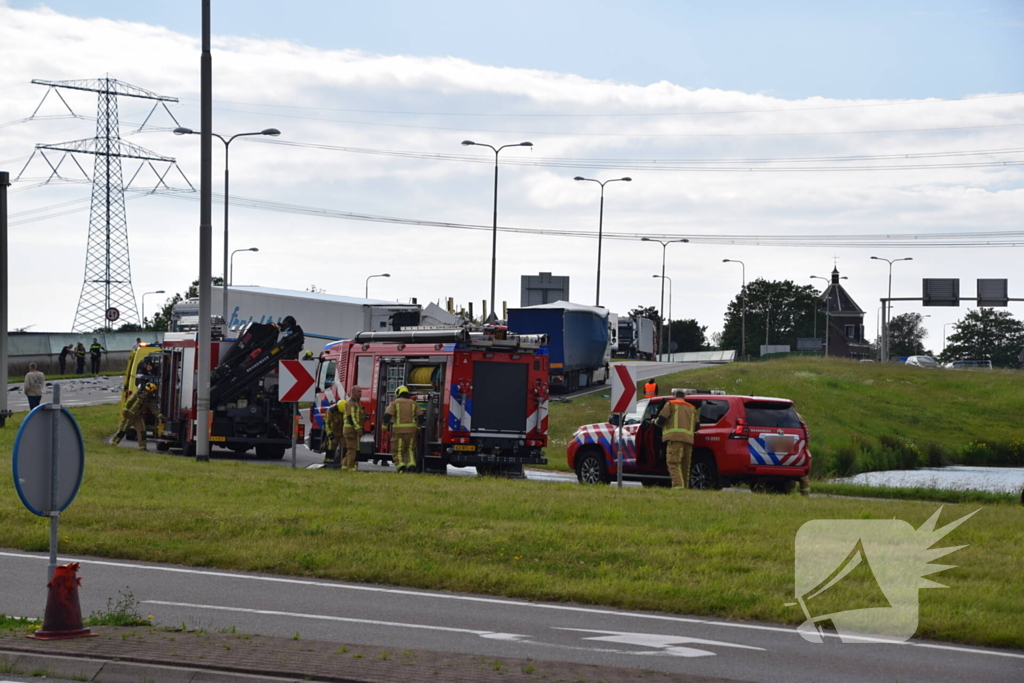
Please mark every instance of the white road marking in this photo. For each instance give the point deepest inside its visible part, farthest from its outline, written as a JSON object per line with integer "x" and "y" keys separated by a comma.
{"x": 667, "y": 644}
{"x": 492, "y": 601}
{"x": 324, "y": 617}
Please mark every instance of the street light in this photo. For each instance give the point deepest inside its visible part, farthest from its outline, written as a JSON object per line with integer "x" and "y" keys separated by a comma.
{"x": 231, "y": 271}
{"x": 743, "y": 314}
{"x": 600, "y": 228}
{"x": 944, "y": 326}
{"x": 494, "y": 232}
{"x": 366, "y": 293}
{"x": 144, "y": 295}
{"x": 666, "y": 277}
{"x": 273, "y": 132}
{"x": 828, "y": 323}
{"x": 661, "y": 310}
{"x": 920, "y": 343}
{"x": 883, "y": 351}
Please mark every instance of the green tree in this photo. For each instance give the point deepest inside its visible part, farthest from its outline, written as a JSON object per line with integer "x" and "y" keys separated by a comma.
{"x": 650, "y": 312}
{"x": 906, "y": 335}
{"x": 778, "y": 312}
{"x": 987, "y": 334}
{"x": 688, "y": 335}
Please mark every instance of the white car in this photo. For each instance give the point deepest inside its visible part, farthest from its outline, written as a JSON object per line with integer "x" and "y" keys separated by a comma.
{"x": 922, "y": 361}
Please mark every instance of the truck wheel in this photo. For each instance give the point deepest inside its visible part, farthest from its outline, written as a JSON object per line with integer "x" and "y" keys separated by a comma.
{"x": 776, "y": 487}
{"x": 269, "y": 451}
{"x": 163, "y": 446}
{"x": 590, "y": 468}
{"x": 131, "y": 434}
{"x": 704, "y": 472}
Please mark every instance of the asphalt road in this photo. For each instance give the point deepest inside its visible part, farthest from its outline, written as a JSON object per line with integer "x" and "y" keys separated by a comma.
{"x": 80, "y": 391}
{"x": 489, "y": 626}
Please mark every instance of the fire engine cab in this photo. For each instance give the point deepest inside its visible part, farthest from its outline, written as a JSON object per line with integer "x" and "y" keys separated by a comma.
{"x": 484, "y": 395}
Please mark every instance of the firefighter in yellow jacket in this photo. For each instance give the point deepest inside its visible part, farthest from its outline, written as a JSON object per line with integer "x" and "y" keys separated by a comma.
{"x": 334, "y": 421}
{"x": 355, "y": 416}
{"x": 403, "y": 415}
{"x": 141, "y": 403}
{"x": 678, "y": 420}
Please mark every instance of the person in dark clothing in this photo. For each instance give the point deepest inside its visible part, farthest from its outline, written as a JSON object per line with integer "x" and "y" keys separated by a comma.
{"x": 80, "y": 359}
{"x": 68, "y": 350}
{"x": 95, "y": 354}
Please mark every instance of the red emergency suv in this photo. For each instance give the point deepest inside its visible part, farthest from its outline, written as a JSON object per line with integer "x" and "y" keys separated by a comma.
{"x": 754, "y": 440}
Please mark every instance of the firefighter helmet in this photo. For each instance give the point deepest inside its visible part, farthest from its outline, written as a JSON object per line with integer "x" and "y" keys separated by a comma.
{"x": 402, "y": 391}
{"x": 150, "y": 387}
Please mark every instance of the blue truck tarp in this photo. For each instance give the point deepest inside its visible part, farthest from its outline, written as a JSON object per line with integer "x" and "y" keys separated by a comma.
{"x": 578, "y": 335}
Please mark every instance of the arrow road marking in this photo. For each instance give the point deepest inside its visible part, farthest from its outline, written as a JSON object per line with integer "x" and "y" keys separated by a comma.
{"x": 667, "y": 644}
{"x": 490, "y": 635}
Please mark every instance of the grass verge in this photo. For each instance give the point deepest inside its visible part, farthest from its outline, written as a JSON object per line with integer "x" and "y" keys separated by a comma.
{"x": 708, "y": 553}
{"x": 921, "y": 493}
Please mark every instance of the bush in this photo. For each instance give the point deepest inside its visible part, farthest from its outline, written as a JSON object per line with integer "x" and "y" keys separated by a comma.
{"x": 1005, "y": 453}
{"x": 937, "y": 455}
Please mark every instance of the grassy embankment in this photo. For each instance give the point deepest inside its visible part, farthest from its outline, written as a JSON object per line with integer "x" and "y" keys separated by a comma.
{"x": 862, "y": 416}
{"x": 710, "y": 553}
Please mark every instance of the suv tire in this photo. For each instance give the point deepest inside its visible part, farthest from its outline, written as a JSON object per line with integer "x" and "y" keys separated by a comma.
{"x": 704, "y": 472}
{"x": 590, "y": 467}
{"x": 776, "y": 487}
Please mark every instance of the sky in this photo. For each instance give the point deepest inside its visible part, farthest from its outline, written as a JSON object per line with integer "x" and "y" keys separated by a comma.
{"x": 739, "y": 123}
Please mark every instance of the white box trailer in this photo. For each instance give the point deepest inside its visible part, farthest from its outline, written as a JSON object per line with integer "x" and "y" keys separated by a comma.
{"x": 323, "y": 317}
{"x": 646, "y": 338}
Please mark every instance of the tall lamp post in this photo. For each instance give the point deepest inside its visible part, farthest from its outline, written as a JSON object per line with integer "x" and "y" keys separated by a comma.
{"x": 600, "y": 228}
{"x": 944, "y": 326}
{"x": 273, "y": 132}
{"x": 884, "y": 350}
{"x": 828, "y": 323}
{"x": 144, "y": 295}
{"x": 231, "y": 272}
{"x": 494, "y": 232}
{"x": 661, "y": 309}
{"x": 366, "y": 293}
{"x": 666, "y": 277}
{"x": 743, "y": 313}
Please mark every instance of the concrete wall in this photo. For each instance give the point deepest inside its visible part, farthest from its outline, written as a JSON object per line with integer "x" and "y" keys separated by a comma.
{"x": 43, "y": 349}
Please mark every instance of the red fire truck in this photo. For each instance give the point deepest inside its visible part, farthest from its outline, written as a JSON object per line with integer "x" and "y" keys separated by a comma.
{"x": 484, "y": 395}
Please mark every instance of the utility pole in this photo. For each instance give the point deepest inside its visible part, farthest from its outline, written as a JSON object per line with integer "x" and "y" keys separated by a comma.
{"x": 205, "y": 240}
{"x": 5, "y": 180}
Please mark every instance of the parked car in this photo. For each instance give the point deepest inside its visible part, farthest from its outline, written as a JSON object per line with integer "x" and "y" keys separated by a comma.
{"x": 922, "y": 361}
{"x": 756, "y": 440}
{"x": 970, "y": 365}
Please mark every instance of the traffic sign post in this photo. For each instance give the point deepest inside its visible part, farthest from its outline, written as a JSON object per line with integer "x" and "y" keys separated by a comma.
{"x": 47, "y": 485}
{"x": 296, "y": 383}
{"x": 623, "y": 403}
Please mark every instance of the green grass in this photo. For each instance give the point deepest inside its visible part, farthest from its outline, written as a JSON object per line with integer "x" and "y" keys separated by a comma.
{"x": 710, "y": 553}
{"x": 916, "y": 493}
{"x": 862, "y": 416}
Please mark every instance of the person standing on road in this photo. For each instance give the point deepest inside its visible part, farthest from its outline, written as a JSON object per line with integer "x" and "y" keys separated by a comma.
{"x": 33, "y": 387}
{"x": 355, "y": 416}
{"x": 80, "y": 359}
{"x": 678, "y": 420}
{"x": 143, "y": 402}
{"x": 402, "y": 415}
{"x": 95, "y": 354}
{"x": 138, "y": 344}
{"x": 650, "y": 389}
{"x": 334, "y": 423}
{"x": 68, "y": 350}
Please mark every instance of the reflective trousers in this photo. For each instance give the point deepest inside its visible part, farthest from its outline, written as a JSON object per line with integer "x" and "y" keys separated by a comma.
{"x": 139, "y": 424}
{"x": 403, "y": 446}
{"x": 351, "y": 448}
{"x": 678, "y": 458}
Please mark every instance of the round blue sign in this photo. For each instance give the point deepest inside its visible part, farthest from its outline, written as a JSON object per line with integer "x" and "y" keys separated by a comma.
{"x": 32, "y": 460}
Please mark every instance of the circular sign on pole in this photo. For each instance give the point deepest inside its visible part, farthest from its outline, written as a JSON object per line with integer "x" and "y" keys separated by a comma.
{"x": 113, "y": 314}
{"x": 32, "y": 460}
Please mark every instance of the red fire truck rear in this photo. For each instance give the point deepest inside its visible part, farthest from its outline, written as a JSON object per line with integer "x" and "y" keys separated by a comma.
{"x": 484, "y": 395}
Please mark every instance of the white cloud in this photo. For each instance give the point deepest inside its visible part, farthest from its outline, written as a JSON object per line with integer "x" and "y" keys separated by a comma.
{"x": 304, "y": 92}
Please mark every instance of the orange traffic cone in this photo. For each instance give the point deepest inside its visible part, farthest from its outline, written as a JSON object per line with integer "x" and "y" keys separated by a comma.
{"x": 63, "y": 617}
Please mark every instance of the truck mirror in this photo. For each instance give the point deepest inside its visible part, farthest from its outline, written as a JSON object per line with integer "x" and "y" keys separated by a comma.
{"x": 614, "y": 419}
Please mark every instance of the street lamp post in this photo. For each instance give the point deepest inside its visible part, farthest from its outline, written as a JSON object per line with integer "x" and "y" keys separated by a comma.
{"x": 274, "y": 132}
{"x": 884, "y": 350}
{"x": 494, "y": 232}
{"x": 669, "y": 314}
{"x": 944, "y": 326}
{"x": 231, "y": 273}
{"x": 144, "y": 295}
{"x": 828, "y": 323}
{"x": 366, "y": 292}
{"x": 661, "y": 309}
{"x": 600, "y": 228}
{"x": 743, "y": 313}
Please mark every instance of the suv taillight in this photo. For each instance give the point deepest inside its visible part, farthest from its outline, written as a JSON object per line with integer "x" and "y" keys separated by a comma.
{"x": 741, "y": 431}
{"x": 807, "y": 432}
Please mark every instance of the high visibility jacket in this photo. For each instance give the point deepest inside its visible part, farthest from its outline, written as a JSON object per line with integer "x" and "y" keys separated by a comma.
{"x": 334, "y": 420}
{"x": 354, "y": 416}
{"x": 96, "y": 350}
{"x": 651, "y": 389}
{"x": 680, "y": 421}
{"x": 403, "y": 412}
{"x": 140, "y": 403}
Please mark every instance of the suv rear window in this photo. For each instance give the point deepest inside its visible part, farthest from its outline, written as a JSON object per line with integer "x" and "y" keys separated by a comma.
{"x": 772, "y": 414}
{"x": 713, "y": 411}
